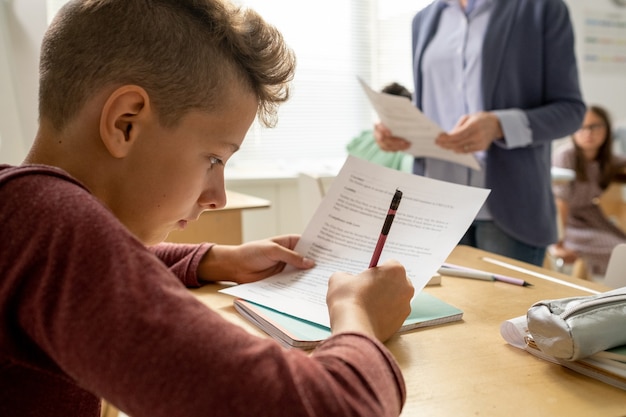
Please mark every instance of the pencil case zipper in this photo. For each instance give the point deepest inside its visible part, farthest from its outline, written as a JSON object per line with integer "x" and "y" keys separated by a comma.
{"x": 585, "y": 306}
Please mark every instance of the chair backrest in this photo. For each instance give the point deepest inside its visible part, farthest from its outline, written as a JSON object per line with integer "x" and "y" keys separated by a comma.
{"x": 615, "y": 276}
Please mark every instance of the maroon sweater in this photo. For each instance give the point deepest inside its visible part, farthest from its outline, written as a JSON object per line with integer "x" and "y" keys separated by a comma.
{"x": 87, "y": 312}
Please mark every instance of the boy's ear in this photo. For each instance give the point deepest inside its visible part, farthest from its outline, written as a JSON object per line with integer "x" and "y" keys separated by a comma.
{"x": 120, "y": 119}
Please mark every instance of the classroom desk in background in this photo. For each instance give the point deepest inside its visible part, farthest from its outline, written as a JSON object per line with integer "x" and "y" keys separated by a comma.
{"x": 466, "y": 368}
{"x": 223, "y": 225}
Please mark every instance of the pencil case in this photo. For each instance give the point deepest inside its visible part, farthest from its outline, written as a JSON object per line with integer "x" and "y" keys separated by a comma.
{"x": 577, "y": 327}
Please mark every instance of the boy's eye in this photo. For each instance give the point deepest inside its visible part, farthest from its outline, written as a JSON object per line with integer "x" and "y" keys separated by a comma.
{"x": 215, "y": 161}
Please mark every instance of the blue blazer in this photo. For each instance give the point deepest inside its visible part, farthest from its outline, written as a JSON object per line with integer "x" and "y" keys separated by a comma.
{"x": 528, "y": 63}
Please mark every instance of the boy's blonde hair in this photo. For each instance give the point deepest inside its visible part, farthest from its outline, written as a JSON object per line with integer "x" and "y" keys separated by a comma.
{"x": 185, "y": 53}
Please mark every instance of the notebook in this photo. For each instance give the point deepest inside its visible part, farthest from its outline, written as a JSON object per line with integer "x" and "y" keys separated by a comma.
{"x": 426, "y": 310}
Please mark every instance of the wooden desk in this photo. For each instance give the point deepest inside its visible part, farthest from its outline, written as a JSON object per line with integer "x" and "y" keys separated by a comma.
{"x": 221, "y": 225}
{"x": 466, "y": 368}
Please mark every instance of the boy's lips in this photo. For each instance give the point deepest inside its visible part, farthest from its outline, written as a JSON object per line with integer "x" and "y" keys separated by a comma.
{"x": 183, "y": 223}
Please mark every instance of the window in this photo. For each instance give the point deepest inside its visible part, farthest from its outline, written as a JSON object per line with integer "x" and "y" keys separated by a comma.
{"x": 335, "y": 41}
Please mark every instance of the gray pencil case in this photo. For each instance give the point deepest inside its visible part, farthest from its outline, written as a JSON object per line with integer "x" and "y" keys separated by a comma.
{"x": 577, "y": 327}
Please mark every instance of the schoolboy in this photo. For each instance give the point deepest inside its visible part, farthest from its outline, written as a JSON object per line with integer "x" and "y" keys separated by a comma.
{"x": 142, "y": 102}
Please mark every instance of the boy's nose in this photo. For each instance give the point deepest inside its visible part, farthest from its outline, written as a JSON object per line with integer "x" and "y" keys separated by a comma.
{"x": 213, "y": 197}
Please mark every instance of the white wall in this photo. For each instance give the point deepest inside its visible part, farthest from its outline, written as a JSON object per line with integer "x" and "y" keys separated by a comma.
{"x": 601, "y": 84}
{"x": 22, "y": 25}
{"x": 11, "y": 147}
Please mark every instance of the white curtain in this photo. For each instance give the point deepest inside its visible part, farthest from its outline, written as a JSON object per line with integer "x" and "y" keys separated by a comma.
{"x": 335, "y": 41}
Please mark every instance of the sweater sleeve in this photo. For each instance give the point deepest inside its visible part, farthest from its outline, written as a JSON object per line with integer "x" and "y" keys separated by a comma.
{"x": 99, "y": 310}
{"x": 182, "y": 259}
{"x": 356, "y": 350}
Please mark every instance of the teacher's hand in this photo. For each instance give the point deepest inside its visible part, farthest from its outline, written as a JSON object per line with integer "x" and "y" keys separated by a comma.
{"x": 472, "y": 133}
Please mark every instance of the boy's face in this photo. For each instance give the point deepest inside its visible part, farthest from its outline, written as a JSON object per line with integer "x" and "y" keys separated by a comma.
{"x": 176, "y": 173}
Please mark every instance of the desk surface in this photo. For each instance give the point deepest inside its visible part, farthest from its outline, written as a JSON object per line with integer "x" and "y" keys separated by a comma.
{"x": 466, "y": 368}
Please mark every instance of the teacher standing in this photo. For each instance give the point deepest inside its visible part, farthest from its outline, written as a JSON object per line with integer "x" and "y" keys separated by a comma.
{"x": 500, "y": 77}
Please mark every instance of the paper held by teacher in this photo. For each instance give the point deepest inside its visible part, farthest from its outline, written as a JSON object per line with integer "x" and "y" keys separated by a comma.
{"x": 404, "y": 120}
{"x": 342, "y": 235}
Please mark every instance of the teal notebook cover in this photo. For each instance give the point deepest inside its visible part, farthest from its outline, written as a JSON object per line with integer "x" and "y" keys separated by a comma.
{"x": 426, "y": 310}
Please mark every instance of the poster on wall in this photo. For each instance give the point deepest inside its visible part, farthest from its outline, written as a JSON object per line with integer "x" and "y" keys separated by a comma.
{"x": 604, "y": 39}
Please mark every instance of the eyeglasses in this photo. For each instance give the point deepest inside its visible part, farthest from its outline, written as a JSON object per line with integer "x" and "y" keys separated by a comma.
{"x": 596, "y": 127}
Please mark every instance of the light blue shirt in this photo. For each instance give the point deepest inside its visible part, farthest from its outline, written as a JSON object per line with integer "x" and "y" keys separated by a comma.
{"x": 452, "y": 87}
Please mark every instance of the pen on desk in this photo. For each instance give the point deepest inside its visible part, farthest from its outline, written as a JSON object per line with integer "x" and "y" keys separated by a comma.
{"x": 391, "y": 214}
{"x": 461, "y": 272}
